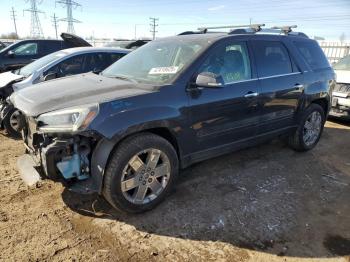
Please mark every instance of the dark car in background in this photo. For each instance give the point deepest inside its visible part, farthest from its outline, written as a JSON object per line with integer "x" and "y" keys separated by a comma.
{"x": 60, "y": 64}
{"x": 25, "y": 52}
{"x": 2, "y": 45}
{"x": 171, "y": 103}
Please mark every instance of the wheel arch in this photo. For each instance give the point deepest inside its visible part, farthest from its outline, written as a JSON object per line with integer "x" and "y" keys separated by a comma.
{"x": 324, "y": 103}
{"x": 105, "y": 148}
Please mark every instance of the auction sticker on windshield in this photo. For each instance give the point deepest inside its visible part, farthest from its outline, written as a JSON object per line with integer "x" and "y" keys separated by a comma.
{"x": 164, "y": 70}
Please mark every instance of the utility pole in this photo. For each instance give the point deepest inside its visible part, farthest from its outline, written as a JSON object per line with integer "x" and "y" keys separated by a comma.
{"x": 13, "y": 16}
{"x": 69, "y": 4}
{"x": 35, "y": 27}
{"x": 154, "y": 24}
{"x": 55, "y": 23}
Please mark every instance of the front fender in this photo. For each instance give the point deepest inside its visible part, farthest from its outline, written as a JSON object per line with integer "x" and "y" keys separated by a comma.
{"x": 117, "y": 126}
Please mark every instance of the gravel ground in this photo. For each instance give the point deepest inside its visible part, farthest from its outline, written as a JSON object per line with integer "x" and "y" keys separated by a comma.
{"x": 266, "y": 203}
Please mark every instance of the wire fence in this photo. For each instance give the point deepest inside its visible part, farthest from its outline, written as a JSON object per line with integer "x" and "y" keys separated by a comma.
{"x": 335, "y": 50}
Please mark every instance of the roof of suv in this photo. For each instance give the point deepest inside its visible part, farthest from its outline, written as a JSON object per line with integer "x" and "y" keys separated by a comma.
{"x": 216, "y": 36}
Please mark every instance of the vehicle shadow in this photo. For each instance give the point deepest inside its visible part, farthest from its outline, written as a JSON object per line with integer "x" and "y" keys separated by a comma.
{"x": 268, "y": 198}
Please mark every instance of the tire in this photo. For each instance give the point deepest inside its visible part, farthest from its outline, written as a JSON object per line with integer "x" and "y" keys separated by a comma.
{"x": 8, "y": 124}
{"x": 124, "y": 165}
{"x": 299, "y": 140}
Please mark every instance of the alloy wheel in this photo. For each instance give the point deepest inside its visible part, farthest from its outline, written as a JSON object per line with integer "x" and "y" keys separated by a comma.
{"x": 14, "y": 120}
{"x": 145, "y": 176}
{"x": 312, "y": 128}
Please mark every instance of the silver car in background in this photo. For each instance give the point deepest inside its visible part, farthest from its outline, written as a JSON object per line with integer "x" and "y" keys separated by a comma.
{"x": 63, "y": 63}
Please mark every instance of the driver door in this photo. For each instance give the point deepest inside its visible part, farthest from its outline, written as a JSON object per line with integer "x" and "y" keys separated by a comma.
{"x": 22, "y": 55}
{"x": 223, "y": 116}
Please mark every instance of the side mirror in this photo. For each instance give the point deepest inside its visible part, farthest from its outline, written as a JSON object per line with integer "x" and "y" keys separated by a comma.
{"x": 11, "y": 54}
{"x": 209, "y": 80}
{"x": 50, "y": 76}
{"x": 97, "y": 71}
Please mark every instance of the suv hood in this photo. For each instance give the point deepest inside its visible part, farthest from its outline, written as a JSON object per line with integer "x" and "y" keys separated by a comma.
{"x": 74, "y": 40}
{"x": 343, "y": 76}
{"x": 74, "y": 91}
{"x": 8, "y": 77}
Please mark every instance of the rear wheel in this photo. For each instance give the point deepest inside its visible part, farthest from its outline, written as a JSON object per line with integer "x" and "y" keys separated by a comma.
{"x": 309, "y": 130}
{"x": 140, "y": 173}
{"x": 12, "y": 123}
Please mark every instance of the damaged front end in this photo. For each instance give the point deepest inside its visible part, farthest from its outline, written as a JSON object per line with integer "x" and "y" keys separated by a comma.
{"x": 60, "y": 145}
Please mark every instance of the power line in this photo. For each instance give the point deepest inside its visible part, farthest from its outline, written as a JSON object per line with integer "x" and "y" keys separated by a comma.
{"x": 13, "y": 16}
{"x": 35, "y": 27}
{"x": 154, "y": 25}
{"x": 69, "y": 4}
{"x": 55, "y": 24}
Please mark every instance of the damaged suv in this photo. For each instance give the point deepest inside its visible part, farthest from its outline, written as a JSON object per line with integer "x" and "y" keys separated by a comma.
{"x": 126, "y": 132}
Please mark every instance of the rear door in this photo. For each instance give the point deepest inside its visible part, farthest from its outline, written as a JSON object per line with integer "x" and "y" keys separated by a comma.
{"x": 49, "y": 46}
{"x": 281, "y": 85}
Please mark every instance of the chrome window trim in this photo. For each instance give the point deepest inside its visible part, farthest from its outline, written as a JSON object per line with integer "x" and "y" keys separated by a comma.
{"x": 261, "y": 78}
{"x": 273, "y": 76}
{"x": 241, "y": 81}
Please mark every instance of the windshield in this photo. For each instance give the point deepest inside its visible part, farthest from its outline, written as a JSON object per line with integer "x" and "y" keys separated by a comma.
{"x": 158, "y": 62}
{"x": 36, "y": 65}
{"x": 343, "y": 64}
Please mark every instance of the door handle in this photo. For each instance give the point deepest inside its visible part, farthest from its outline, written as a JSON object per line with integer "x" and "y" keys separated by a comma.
{"x": 251, "y": 94}
{"x": 298, "y": 87}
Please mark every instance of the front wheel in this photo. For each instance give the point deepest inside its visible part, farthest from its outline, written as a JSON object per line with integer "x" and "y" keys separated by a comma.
{"x": 309, "y": 130}
{"x": 141, "y": 173}
{"x": 12, "y": 123}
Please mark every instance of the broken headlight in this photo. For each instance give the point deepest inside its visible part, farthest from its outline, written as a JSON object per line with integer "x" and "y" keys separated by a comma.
{"x": 67, "y": 120}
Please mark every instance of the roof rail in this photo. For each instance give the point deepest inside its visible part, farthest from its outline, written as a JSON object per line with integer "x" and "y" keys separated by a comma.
{"x": 286, "y": 29}
{"x": 254, "y": 27}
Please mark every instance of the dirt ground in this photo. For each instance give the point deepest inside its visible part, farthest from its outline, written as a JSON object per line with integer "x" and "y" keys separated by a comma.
{"x": 267, "y": 203}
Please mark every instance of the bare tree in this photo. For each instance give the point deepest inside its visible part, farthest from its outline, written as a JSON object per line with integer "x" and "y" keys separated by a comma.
{"x": 9, "y": 36}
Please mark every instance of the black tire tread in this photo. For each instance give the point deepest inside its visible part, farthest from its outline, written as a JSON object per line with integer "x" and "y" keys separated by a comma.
{"x": 118, "y": 156}
{"x": 295, "y": 140}
{"x": 7, "y": 126}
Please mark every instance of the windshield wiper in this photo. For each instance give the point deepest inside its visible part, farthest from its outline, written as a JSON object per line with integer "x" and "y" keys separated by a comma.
{"x": 124, "y": 78}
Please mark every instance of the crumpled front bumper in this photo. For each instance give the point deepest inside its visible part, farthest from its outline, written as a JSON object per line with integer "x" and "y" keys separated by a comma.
{"x": 60, "y": 159}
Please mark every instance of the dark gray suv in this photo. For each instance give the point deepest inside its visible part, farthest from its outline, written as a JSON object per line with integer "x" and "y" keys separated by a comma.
{"x": 175, "y": 101}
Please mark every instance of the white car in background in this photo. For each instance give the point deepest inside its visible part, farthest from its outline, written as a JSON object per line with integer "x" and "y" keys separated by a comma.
{"x": 341, "y": 93}
{"x": 60, "y": 64}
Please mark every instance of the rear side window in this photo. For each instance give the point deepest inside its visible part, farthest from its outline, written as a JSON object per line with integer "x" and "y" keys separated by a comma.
{"x": 272, "y": 58}
{"x": 48, "y": 47}
{"x": 100, "y": 61}
{"x": 313, "y": 54}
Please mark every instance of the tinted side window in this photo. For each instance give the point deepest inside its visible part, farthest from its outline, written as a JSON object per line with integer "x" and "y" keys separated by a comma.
{"x": 114, "y": 57}
{"x": 230, "y": 61}
{"x": 26, "y": 49}
{"x": 48, "y": 47}
{"x": 100, "y": 61}
{"x": 272, "y": 58}
{"x": 71, "y": 66}
{"x": 313, "y": 54}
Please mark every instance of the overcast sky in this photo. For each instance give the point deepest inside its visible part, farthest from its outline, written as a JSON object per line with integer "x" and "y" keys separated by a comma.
{"x": 119, "y": 18}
